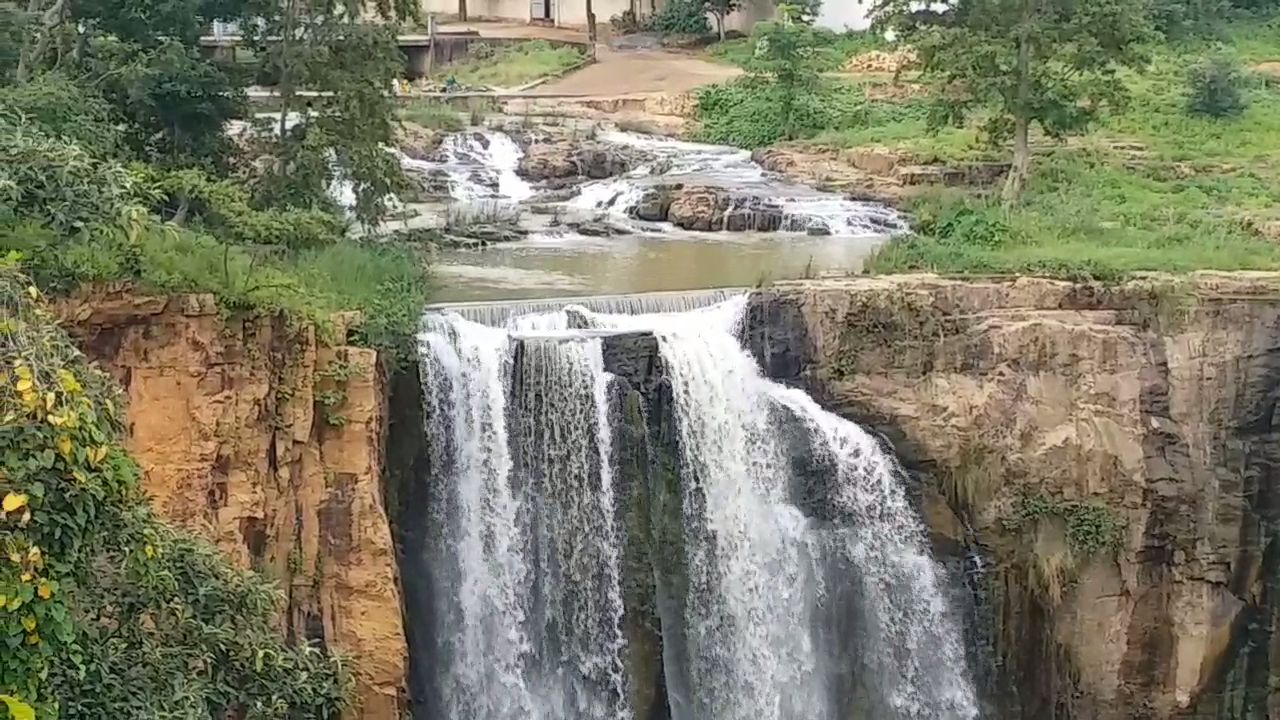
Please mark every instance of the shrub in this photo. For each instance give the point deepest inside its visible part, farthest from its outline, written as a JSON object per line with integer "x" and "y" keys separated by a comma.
{"x": 65, "y": 109}
{"x": 683, "y": 17}
{"x": 1216, "y": 89}
{"x": 752, "y": 112}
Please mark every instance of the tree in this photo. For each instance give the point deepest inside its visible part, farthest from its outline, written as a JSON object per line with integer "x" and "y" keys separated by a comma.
{"x": 1048, "y": 62}
{"x": 721, "y": 9}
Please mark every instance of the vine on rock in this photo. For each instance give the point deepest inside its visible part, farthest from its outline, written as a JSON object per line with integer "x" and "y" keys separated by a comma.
{"x": 105, "y": 611}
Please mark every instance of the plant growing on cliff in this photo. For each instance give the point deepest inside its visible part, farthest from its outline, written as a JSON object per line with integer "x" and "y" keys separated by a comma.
{"x": 1060, "y": 535}
{"x": 107, "y": 612}
{"x": 1052, "y": 63}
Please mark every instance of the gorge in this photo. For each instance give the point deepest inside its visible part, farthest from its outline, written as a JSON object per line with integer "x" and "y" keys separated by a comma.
{"x": 861, "y": 497}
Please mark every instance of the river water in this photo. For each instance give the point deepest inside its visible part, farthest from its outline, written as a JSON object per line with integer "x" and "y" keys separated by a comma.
{"x": 481, "y": 164}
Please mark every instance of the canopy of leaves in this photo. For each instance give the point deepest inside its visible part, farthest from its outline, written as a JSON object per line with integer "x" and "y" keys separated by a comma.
{"x": 1073, "y": 50}
{"x": 109, "y": 613}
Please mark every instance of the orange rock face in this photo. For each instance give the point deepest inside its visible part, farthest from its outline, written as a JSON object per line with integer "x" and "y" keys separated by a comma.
{"x": 267, "y": 442}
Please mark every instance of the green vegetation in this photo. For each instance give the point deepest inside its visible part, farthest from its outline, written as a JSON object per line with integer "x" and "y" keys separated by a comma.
{"x": 107, "y": 612}
{"x": 1044, "y": 62}
{"x": 512, "y": 65}
{"x": 831, "y": 49}
{"x": 681, "y": 17}
{"x": 783, "y": 96}
{"x": 1155, "y": 187}
{"x": 433, "y": 115}
{"x": 1091, "y": 528}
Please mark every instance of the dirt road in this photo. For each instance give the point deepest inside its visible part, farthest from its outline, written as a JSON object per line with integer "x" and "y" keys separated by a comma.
{"x": 634, "y": 72}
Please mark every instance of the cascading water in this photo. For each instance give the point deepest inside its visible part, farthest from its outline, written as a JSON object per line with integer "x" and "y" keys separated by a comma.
{"x": 525, "y": 557}
{"x": 810, "y": 594}
{"x": 480, "y": 165}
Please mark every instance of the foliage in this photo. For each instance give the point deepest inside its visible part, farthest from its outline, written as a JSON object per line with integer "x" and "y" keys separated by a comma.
{"x": 1091, "y": 527}
{"x": 341, "y": 136}
{"x": 513, "y": 65}
{"x": 833, "y": 48}
{"x": 720, "y": 9}
{"x": 57, "y": 184}
{"x": 1048, "y": 62}
{"x": 750, "y": 112}
{"x": 681, "y": 17}
{"x": 108, "y": 612}
{"x": 1216, "y": 88}
{"x": 63, "y": 108}
{"x": 175, "y": 102}
{"x": 224, "y": 208}
{"x": 1155, "y": 189}
{"x": 782, "y": 97}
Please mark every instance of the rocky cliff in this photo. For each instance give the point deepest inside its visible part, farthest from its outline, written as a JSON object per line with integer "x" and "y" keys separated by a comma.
{"x": 1106, "y": 458}
{"x": 269, "y": 442}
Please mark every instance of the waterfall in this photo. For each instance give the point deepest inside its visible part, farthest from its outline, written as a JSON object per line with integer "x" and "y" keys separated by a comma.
{"x": 480, "y": 165}
{"x": 810, "y": 593}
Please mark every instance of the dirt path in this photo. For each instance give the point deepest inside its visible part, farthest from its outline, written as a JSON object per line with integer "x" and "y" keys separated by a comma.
{"x": 633, "y": 72}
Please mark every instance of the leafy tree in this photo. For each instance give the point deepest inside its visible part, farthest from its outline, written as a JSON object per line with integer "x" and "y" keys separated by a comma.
{"x": 1046, "y": 62}
{"x": 721, "y": 9}
{"x": 340, "y": 134}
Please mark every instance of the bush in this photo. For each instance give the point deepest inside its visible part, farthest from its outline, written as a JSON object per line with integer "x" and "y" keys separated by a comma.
{"x": 682, "y": 17}
{"x": 1216, "y": 89}
{"x": 57, "y": 184}
{"x": 752, "y": 113}
{"x": 65, "y": 109}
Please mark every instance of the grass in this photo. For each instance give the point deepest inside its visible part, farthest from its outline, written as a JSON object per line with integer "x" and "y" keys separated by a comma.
{"x": 512, "y": 65}
{"x": 433, "y": 115}
{"x": 1151, "y": 189}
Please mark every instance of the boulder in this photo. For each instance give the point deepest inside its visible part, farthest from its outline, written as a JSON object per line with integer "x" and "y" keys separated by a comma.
{"x": 698, "y": 208}
{"x": 547, "y": 161}
{"x": 654, "y": 204}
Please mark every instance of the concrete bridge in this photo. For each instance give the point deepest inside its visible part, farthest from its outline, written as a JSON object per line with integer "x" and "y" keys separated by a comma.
{"x": 421, "y": 52}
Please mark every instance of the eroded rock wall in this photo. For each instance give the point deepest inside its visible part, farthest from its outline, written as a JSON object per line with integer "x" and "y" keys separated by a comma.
{"x": 1155, "y": 401}
{"x": 269, "y": 442}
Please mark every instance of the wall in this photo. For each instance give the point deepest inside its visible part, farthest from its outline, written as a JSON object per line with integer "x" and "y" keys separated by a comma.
{"x": 268, "y": 442}
{"x": 1155, "y": 399}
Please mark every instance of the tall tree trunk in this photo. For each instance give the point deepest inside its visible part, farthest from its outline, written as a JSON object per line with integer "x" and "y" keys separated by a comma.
{"x": 1017, "y": 178}
{"x": 720, "y": 25}
{"x": 462, "y": 10}
{"x": 591, "y": 26}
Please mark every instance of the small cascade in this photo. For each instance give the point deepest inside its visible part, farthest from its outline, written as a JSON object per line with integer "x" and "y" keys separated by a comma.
{"x": 480, "y": 164}
{"x": 806, "y": 590}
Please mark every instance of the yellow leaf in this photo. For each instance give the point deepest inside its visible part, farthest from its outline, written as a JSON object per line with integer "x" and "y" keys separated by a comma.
{"x": 26, "y": 517}
{"x": 18, "y": 709}
{"x": 150, "y": 551}
{"x": 49, "y": 400}
{"x": 80, "y": 476}
{"x": 33, "y": 292}
{"x": 64, "y": 446}
{"x": 14, "y": 603}
{"x": 15, "y": 557}
{"x": 14, "y": 501}
{"x": 4, "y": 599}
{"x": 29, "y": 622}
{"x": 23, "y": 385}
{"x": 26, "y": 577}
{"x": 45, "y": 591}
{"x": 34, "y": 555}
{"x": 33, "y": 639}
{"x": 68, "y": 381}
{"x": 56, "y": 420}
{"x": 23, "y": 372}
